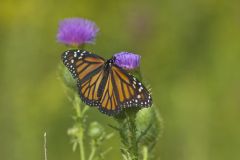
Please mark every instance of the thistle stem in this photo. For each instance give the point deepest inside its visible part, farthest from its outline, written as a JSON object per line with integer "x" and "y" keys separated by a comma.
{"x": 145, "y": 153}
{"x": 79, "y": 118}
{"x": 132, "y": 136}
{"x": 128, "y": 133}
{"x": 93, "y": 151}
{"x": 81, "y": 147}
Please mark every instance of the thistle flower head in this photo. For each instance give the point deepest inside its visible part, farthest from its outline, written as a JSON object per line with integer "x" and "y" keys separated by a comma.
{"x": 127, "y": 60}
{"x": 76, "y": 31}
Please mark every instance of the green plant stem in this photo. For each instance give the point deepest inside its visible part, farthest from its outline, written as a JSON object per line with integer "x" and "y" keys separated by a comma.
{"x": 132, "y": 136}
{"x": 80, "y": 114}
{"x": 93, "y": 151}
{"x": 128, "y": 133}
{"x": 81, "y": 146}
{"x": 145, "y": 153}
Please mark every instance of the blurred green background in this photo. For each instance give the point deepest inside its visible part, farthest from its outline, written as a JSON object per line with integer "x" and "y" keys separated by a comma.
{"x": 190, "y": 56}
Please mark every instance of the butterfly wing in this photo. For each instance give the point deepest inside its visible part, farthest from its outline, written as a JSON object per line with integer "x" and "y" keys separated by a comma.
{"x": 122, "y": 90}
{"x": 87, "y": 68}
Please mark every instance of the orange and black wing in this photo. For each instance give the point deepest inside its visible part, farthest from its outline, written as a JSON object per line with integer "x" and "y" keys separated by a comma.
{"x": 88, "y": 69}
{"x": 122, "y": 90}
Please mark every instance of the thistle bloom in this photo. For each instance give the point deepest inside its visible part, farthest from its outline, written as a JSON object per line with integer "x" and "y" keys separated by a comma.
{"x": 127, "y": 60}
{"x": 76, "y": 31}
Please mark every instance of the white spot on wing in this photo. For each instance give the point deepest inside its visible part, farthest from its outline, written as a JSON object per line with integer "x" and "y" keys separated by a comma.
{"x": 134, "y": 86}
{"x": 75, "y": 54}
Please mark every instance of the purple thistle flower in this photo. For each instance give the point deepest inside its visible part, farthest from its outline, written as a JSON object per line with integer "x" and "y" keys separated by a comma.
{"x": 76, "y": 31}
{"x": 127, "y": 60}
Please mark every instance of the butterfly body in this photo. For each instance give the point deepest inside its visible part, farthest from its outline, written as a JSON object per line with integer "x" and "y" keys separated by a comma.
{"x": 103, "y": 84}
{"x": 109, "y": 63}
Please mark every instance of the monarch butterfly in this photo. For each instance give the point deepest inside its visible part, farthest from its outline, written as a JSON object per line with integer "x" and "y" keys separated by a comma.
{"x": 103, "y": 84}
